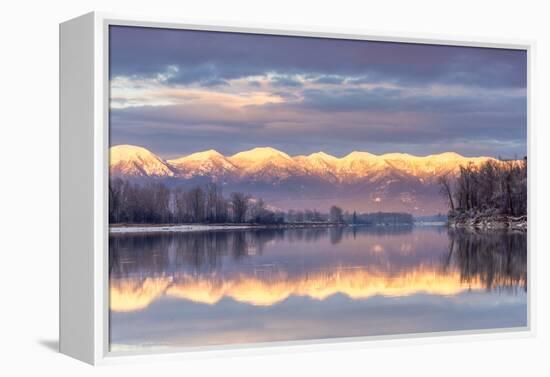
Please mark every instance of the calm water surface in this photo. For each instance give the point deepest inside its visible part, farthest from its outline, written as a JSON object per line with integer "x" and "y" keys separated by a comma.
{"x": 246, "y": 286}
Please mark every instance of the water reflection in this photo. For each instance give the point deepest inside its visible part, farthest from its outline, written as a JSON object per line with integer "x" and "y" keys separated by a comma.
{"x": 498, "y": 260}
{"x": 203, "y": 251}
{"x": 271, "y": 268}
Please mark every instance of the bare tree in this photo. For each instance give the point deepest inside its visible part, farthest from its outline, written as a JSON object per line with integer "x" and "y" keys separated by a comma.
{"x": 493, "y": 187}
{"x": 445, "y": 190}
{"x": 258, "y": 211}
{"x": 221, "y": 209}
{"x": 195, "y": 203}
{"x": 336, "y": 214}
{"x": 239, "y": 204}
{"x": 211, "y": 202}
{"x": 181, "y": 210}
{"x": 466, "y": 194}
{"x": 116, "y": 199}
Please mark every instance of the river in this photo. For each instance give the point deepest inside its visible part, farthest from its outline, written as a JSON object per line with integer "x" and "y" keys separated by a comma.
{"x": 262, "y": 285}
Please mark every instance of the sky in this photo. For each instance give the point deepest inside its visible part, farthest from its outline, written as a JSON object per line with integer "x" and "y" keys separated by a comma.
{"x": 176, "y": 92}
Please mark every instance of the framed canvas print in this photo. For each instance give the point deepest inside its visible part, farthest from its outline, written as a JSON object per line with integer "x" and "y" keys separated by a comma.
{"x": 229, "y": 188}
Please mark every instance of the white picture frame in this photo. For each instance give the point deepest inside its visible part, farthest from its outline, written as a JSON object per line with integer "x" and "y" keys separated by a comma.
{"x": 84, "y": 109}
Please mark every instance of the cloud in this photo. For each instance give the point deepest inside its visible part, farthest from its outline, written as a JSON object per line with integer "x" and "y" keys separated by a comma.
{"x": 178, "y": 91}
{"x": 347, "y": 99}
{"x": 329, "y": 79}
{"x": 380, "y": 121}
{"x": 285, "y": 81}
{"x": 198, "y": 54}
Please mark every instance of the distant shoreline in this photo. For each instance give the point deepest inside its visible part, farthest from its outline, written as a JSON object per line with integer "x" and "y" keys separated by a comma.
{"x": 185, "y": 228}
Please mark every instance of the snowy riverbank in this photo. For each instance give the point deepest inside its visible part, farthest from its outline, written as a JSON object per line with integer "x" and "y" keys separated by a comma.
{"x": 488, "y": 222}
{"x": 173, "y": 228}
{"x": 183, "y": 228}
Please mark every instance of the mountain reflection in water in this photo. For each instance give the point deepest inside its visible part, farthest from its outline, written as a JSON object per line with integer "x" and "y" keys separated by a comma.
{"x": 269, "y": 268}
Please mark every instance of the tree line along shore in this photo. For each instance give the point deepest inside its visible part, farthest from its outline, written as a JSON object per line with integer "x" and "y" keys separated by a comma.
{"x": 491, "y": 196}
{"x": 155, "y": 204}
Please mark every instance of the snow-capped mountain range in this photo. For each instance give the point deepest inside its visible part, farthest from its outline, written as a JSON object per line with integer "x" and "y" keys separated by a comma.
{"x": 394, "y": 181}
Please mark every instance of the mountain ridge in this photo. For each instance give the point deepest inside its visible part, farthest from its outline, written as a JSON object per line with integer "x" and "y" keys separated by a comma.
{"x": 254, "y": 161}
{"x": 357, "y": 181}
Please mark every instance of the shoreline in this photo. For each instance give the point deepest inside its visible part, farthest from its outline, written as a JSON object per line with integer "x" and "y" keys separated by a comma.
{"x": 186, "y": 228}
{"x": 488, "y": 222}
